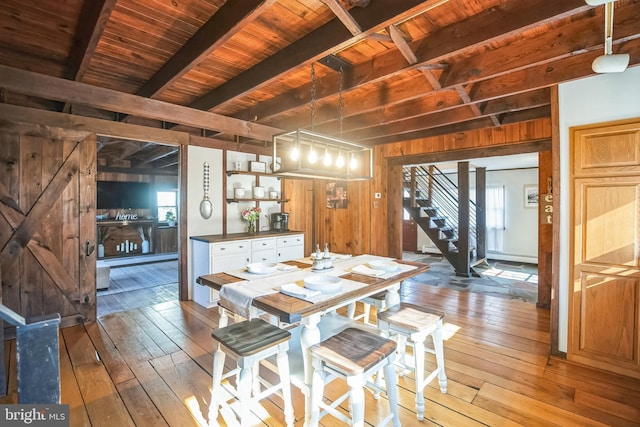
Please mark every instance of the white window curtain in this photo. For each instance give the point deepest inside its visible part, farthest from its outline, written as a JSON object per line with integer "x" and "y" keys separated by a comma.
{"x": 495, "y": 218}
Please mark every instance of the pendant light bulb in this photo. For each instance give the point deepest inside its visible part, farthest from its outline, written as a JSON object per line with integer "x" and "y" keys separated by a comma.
{"x": 327, "y": 157}
{"x": 340, "y": 160}
{"x": 313, "y": 157}
{"x": 294, "y": 153}
{"x": 353, "y": 163}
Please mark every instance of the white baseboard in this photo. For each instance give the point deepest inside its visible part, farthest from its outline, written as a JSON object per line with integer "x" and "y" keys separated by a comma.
{"x": 497, "y": 256}
{"x": 138, "y": 259}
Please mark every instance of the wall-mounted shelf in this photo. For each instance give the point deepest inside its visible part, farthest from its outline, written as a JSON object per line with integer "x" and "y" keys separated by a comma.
{"x": 235, "y": 200}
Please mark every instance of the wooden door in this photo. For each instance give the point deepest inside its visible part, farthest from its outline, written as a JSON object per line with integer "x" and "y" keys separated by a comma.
{"x": 47, "y": 221}
{"x": 409, "y": 235}
{"x": 604, "y": 300}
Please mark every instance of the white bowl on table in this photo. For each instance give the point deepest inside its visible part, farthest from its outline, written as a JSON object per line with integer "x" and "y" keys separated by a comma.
{"x": 262, "y": 267}
{"x": 384, "y": 265}
{"x": 323, "y": 283}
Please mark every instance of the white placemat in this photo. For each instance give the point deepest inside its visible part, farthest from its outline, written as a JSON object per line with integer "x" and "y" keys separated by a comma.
{"x": 244, "y": 274}
{"x": 316, "y": 297}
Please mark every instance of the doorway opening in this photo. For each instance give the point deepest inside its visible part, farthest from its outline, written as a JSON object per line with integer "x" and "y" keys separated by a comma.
{"x": 137, "y": 234}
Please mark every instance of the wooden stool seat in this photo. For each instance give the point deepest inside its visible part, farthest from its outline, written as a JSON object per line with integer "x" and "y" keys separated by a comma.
{"x": 249, "y": 342}
{"x": 415, "y": 323}
{"x": 411, "y": 317}
{"x": 354, "y": 351}
{"x": 354, "y": 355}
{"x": 250, "y": 337}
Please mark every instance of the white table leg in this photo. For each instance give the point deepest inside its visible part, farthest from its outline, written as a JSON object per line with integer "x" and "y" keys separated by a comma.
{"x": 392, "y": 296}
{"x": 309, "y": 336}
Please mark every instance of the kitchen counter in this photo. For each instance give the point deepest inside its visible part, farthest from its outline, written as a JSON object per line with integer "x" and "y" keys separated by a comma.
{"x": 218, "y": 238}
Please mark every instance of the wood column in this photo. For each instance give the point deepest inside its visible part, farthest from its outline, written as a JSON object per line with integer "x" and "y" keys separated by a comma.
{"x": 481, "y": 213}
{"x": 462, "y": 267}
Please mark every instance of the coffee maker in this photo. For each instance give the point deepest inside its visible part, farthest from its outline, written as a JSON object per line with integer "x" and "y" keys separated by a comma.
{"x": 280, "y": 221}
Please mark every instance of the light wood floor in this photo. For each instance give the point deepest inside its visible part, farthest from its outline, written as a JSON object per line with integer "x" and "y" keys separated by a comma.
{"x": 152, "y": 366}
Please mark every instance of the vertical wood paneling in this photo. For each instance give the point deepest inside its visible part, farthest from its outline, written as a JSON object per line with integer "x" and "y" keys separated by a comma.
{"x": 87, "y": 195}
{"x": 41, "y": 255}
{"x": 31, "y": 176}
{"x": 545, "y": 234}
{"x": 301, "y": 208}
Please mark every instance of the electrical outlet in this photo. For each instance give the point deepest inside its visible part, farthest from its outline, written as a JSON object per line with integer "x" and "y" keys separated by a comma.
{"x": 378, "y": 195}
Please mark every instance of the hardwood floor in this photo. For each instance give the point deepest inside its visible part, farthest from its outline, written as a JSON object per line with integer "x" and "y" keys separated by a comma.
{"x": 152, "y": 366}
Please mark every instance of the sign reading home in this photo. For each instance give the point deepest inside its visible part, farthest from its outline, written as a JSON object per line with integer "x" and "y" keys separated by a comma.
{"x": 126, "y": 217}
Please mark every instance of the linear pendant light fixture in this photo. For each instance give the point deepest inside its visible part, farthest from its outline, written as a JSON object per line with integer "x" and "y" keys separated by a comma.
{"x": 308, "y": 154}
{"x": 608, "y": 63}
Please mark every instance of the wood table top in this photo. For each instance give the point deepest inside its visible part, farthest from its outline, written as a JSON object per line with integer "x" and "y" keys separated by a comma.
{"x": 291, "y": 309}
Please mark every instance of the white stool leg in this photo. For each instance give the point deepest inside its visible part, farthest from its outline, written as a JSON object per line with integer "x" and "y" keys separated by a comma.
{"x": 216, "y": 387}
{"x": 317, "y": 390}
{"x": 402, "y": 350}
{"x": 367, "y": 312}
{"x": 418, "y": 356}
{"x": 439, "y": 349}
{"x": 351, "y": 310}
{"x": 285, "y": 382}
{"x": 244, "y": 393}
{"x": 392, "y": 389}
{"x": 356, "y": 398}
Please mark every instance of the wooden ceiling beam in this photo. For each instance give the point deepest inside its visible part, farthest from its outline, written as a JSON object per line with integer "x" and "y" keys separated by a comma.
{"x": 344, "y": 16}
{"x": 479, "y": 123}
{"x": 507, "y": 18}
{"x": 49, "y": 87}
{"x": 157, "y": 153}
{"x": 319, "y": 43}
{"x": 502, "y": 70}
{"x": 91, "y": 24}
{"x": 557, "y": 43}
{"x": 420, "y": 122}
{"x": 436, "y": 103}
{"x": 224, "y": 24}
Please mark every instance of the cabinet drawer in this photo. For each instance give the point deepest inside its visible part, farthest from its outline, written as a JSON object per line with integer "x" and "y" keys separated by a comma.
{"x": 262, "y": 244}
{"x": 239, "y": 246}
{"x": 293, "y": 240}
{"x": 267, "y": 255}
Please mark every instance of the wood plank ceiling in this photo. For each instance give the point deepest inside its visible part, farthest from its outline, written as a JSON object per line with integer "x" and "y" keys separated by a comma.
{"x": 410, "y": 69}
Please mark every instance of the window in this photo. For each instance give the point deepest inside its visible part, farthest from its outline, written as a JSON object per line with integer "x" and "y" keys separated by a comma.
{"x": 495, "y": 217}
{"x": 167, "y": 202}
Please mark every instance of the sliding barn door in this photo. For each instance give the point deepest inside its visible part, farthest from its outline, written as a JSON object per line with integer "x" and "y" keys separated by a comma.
{"x": 47, "y": 221}
{"x": 604, "y": 300}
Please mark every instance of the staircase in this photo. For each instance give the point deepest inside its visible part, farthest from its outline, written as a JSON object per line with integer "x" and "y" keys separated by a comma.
{"x": 431, "y": 199}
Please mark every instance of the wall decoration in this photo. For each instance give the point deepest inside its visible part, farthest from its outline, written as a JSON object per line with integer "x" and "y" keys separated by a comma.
{"x": 530, "y": 196}
{"x": 337, "y": 195}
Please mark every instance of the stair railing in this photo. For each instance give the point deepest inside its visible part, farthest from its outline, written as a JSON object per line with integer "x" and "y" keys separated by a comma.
{"x": 436, "y": 189}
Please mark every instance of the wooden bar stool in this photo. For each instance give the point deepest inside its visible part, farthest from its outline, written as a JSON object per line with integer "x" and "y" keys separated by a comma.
{"x": 415, "y": 323}
{"x": 249, "y": 342}
{"x": 376, "y": 300}
{"x": 354, "y": 355}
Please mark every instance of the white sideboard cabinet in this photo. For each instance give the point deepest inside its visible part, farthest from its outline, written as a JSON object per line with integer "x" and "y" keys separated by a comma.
{"x": 218, "y": 253}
